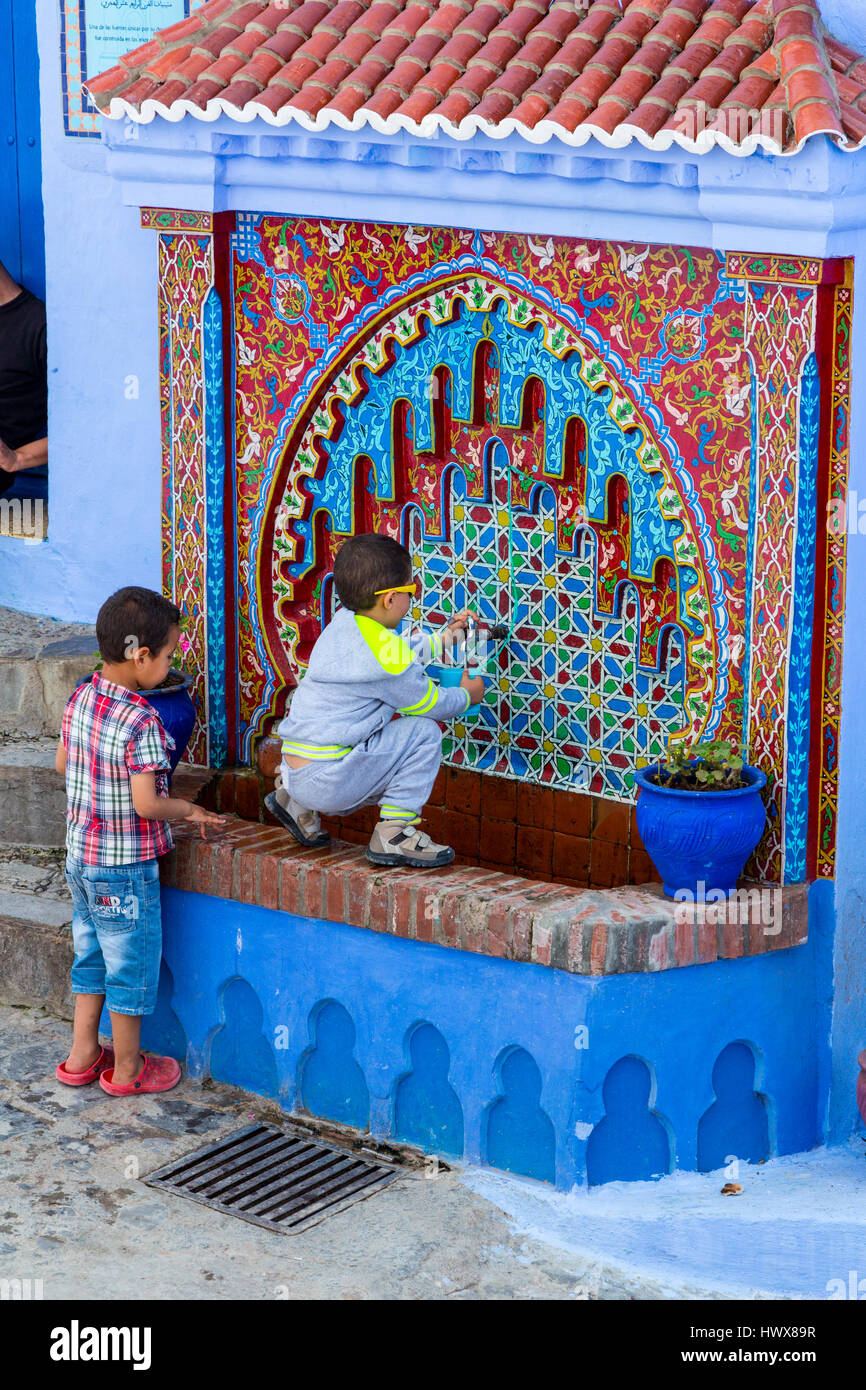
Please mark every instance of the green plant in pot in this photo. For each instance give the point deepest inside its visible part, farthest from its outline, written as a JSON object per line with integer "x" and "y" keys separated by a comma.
{"x": 700, "y": 815}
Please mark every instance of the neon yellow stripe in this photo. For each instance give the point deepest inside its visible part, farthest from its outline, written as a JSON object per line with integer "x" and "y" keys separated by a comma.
{"x": 393, "y": 654}
{"x": 426, "y": 703}
{"x": 313, "y": 750}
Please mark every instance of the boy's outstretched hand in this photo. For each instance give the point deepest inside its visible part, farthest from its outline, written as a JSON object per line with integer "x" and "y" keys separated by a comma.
{"x": 203, "y": 817}
{"x": 455, "y": 630}
{"x": 475, "y": 686}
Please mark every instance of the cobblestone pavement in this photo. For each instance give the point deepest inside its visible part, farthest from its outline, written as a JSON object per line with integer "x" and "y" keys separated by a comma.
{"x": 76, "y": 1214}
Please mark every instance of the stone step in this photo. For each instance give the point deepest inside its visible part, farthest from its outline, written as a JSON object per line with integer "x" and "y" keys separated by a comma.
{"x": 35, "y": 951}
{"x": 34, "y": 869}
{"x": 797, "y": 1230}
{"x": 36, "y": 680}
{"x": 32, "y": 793}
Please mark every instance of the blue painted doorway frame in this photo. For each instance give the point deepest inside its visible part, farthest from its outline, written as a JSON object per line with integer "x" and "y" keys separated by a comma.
{"x": 22, "y": 225}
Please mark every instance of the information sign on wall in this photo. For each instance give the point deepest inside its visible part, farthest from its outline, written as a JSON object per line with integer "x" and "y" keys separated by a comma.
{"x": 93, "y": 35}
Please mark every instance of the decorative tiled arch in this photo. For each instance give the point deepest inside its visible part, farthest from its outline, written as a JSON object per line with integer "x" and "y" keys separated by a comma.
{"x": 684, "y": 340}
{"x": 354, "y": 426}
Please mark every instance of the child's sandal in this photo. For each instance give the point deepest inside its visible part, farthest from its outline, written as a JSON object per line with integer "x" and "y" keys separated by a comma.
{"x": 84, "y": 1078}
{"x": 157, "y": 1074}
{"x": 279, "y": 803}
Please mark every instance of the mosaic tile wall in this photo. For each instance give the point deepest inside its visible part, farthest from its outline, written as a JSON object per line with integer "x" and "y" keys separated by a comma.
{"x": 618, "y": 451}
{"x": 463, "y": 394}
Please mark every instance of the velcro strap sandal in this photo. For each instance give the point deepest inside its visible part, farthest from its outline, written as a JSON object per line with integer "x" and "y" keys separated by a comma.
{"x": 303, "y": 824}
{"x": 396, "y": 843}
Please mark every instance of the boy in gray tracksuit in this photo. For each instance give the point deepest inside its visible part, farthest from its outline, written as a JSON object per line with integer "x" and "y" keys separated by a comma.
{"x": 342, "y": 746}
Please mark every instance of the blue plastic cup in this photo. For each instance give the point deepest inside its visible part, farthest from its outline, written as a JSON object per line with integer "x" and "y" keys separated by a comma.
{"x": 449, "y": 677}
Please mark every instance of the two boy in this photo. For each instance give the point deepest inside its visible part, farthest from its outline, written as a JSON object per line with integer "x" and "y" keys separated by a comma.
{"x": 342, "y": 749}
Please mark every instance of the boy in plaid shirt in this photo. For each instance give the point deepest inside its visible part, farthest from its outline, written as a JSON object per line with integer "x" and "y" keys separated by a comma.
{"x": 113, "y": 750}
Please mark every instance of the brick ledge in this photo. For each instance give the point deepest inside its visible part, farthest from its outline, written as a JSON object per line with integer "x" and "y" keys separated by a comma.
{"x": 583, "y": 931}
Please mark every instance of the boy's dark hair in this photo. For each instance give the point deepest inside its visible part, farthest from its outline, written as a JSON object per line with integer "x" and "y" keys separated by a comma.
{"x": 134, "y": 617}
{"x": 367, "y": 563}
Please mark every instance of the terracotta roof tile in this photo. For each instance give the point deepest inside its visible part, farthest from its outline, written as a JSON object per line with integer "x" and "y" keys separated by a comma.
{"x": 140, "y": 56}
{"x": 160, "y": 67}
{"x": 214, "y": 44}
{"x": 854, "y": 121}
{"x": 851, "y": 93}
{"x": 746, "y": 74}
{"x": 143, "y": 89}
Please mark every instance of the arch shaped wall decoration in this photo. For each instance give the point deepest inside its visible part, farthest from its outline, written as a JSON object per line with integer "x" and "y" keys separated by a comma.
{"x": 647, "y": 426}
{"x": 404, "y": 423}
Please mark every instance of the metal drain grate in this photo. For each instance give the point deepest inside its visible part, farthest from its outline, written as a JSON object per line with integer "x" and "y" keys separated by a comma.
{"x": 280, "y": 1180}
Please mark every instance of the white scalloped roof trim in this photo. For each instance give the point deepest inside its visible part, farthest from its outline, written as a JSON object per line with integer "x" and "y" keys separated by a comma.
{"x": 432, "y": 125}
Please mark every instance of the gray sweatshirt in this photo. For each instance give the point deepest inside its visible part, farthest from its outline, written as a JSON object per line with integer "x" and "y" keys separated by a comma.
{"x": 361, "y": 674}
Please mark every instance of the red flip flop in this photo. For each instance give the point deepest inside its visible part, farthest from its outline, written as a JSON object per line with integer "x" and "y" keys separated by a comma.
{"x": 157, "y": 1074}
{"x": 84, "y": 1078}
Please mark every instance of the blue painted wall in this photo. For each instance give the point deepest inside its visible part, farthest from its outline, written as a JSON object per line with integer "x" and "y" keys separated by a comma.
{"x": 846, "y": 20}
{"x": 514, "y": 1065}
{"x": 103, "y": 426}
{"x": 22, "y": 237}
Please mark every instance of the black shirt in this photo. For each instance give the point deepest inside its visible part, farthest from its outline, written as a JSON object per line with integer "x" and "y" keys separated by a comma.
{"x": 23, "y": 377}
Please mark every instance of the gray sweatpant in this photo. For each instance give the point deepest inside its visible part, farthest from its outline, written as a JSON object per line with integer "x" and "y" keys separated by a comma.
{"x": 396, "y": 767}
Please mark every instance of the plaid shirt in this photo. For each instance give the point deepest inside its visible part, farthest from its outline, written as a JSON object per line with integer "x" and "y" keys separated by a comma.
{"x": 109, "y": 733}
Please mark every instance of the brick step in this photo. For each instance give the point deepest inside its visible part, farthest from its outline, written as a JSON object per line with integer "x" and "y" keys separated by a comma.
{"x": 583, "y": 931}
{"x": 496, "y": 823}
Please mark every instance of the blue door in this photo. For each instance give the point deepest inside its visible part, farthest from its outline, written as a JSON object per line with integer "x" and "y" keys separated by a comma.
{"x": 22, "y": 235}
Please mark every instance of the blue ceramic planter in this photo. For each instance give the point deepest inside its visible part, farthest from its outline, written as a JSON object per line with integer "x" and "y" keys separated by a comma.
{"x": 175, "y": 707}
{"x": 695, "y": 837}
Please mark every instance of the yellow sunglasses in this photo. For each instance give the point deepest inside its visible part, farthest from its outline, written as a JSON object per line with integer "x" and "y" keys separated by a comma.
{"x": 398, "y": 589}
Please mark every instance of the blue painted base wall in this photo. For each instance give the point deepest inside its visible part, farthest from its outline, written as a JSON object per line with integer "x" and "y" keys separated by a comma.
{"x": 501, "y": 1063}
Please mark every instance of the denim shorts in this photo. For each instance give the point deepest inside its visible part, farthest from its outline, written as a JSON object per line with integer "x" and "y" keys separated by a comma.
{"x": 117, "y": 933}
